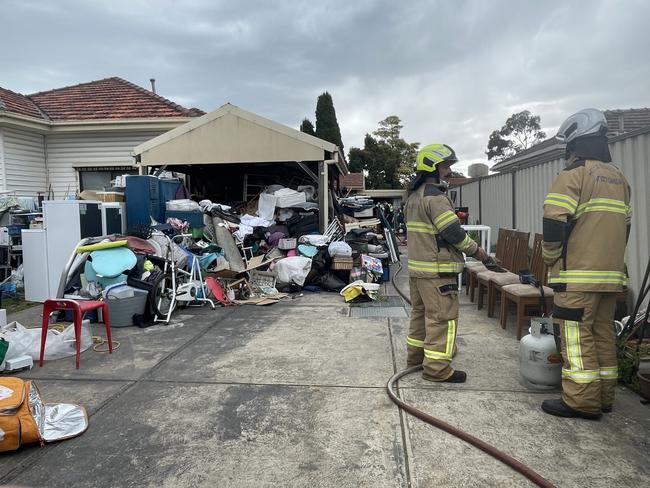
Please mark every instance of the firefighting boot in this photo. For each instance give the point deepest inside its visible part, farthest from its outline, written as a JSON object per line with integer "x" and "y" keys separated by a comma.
{"x": 456, "y": 377}
{"x": 558, "y": 408}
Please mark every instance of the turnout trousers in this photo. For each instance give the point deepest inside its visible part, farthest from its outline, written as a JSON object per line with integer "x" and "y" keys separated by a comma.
{"x": 432, "y": 331}
{"x": 588, "y": 343}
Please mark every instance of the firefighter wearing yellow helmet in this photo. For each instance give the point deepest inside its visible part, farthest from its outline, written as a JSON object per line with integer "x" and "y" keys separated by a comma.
{"x": 436, "y": 243}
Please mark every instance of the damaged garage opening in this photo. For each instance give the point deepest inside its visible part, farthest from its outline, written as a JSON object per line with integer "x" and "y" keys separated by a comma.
{"x": 231, "y": 154}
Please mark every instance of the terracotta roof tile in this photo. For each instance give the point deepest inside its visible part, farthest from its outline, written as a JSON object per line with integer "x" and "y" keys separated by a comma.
{"x": 18, "y": 104}
{"x": 626, "y": 120}
{"x": 110, "y": 98}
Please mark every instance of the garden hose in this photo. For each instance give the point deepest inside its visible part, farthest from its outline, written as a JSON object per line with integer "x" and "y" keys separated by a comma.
{"x": 98, "y": 341}
{"x": 475, "y": 441}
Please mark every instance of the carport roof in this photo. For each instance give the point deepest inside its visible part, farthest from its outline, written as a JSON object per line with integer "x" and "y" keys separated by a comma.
{"x": 232, "y": 135}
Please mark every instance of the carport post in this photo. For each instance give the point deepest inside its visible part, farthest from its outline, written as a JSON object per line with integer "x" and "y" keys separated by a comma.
{"x": 323, "y": 192}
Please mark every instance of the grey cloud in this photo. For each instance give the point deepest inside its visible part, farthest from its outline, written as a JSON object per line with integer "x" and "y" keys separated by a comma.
{"x": 453, "y": 71}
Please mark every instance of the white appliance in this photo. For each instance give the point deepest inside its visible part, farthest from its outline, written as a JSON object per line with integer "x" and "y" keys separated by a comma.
{"x": 37, "y": 287}
{"x": 66, "y": 222}
{"x": 5, "y": 240}
{"x": 113, "y": 218}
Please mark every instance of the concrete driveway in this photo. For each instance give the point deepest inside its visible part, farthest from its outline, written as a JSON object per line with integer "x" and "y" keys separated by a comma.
{"x": 294, "y": 395}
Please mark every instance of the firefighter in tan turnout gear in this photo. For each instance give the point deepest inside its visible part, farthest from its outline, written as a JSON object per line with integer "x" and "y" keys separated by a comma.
{"x": 436, "y": 242}
{"x": 586, "y": 224}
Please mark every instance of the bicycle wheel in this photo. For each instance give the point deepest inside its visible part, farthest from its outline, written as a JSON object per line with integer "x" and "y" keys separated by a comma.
{"x": 163, "y": 295}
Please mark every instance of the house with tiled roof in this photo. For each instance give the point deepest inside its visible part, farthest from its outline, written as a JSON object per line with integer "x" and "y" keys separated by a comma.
{"x": 78, "y": 137}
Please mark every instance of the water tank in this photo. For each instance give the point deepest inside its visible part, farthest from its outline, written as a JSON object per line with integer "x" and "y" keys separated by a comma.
{"x": 539, "y": 362}
{"x": 477, "y": 170}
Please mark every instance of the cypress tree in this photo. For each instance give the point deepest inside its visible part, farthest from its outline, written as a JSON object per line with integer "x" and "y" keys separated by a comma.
{"x": 307, "y": 127}
{"x": 327, "y": 128}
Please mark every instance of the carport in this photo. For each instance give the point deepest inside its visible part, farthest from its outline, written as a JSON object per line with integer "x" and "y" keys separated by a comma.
{"x": 231, "y": 154}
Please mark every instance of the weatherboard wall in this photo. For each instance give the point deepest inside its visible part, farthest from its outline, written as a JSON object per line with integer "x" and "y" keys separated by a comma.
{"x": 23, "y": 162}
{"x": 69, "y": 152}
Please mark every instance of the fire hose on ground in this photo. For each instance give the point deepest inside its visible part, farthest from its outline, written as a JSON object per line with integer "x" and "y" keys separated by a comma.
{"x": 475, "y": 441}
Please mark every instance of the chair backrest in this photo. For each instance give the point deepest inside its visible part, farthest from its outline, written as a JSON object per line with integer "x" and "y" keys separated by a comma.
{"x": 502, "y": 244}
{"x": 537, "y": 265}
{"x": 521, "y": 259}
{"x": 516, "y": 258}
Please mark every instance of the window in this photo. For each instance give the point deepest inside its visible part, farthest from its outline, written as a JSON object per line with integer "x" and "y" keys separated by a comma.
{"x": 99, "y": 178}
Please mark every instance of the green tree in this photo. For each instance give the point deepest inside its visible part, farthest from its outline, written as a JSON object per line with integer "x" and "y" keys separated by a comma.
{"x": 521, "y": 131}
{"x": 327, "y": 128}
{"x": 387, "y": 159}
{"x": 307, "y": 127}
{"x": 401, "y": 154}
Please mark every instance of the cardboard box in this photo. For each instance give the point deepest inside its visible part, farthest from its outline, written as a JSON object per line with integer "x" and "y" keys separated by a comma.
{"x": 110, "y": 196}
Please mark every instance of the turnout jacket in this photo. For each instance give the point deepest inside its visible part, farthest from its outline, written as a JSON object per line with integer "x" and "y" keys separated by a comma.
{"x": 435, "y": 238}
{"x": 587, "y": 218}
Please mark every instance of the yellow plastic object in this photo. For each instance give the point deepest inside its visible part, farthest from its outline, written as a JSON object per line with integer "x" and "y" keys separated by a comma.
{"x": 148, "y": 265}
{"x": 352, "y": 292}
{"x": 101, "y": 245}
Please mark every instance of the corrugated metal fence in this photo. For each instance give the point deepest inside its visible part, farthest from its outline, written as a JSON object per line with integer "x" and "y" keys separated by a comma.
{"x": 515, "y": 199}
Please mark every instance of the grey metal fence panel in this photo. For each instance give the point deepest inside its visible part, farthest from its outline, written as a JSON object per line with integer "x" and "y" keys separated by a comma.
{"x": 531, "y": 186}
{"x": 496, "y": 203}
{"x": 632, "y": 156}
{"x": 469, "y": 198}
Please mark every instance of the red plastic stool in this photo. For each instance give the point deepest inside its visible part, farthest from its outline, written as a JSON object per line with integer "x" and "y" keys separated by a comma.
{"x": 78, "y": 308}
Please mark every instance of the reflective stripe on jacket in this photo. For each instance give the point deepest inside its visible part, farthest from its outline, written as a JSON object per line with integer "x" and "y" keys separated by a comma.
{"x": 587, "y": 216}
{"x": 435, "y": 238}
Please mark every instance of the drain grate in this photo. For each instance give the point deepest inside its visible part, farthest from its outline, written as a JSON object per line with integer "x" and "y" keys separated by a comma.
{"x": 387, "y": 302}
{"x": 384, "y": 312}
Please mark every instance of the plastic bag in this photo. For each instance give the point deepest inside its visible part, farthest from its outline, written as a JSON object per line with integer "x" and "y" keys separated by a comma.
{"x": 293, "y": 270}
{"x": 314, "y": 240}
{"x": 266, "y": 206}
{"x": 185, "y": 205}
{"x": 339, "y": 248}
{"x": 24, "y": 341}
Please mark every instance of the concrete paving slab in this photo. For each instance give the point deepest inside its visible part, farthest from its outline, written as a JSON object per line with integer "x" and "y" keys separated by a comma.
{"x": 169, "y": 435}
{"x": 568, "y": 452}
{"x": 301, "y": 346}
{"x": 488, "y": 354}
{"x": 29, "y": 317}
{"x": 90, "y": 394}
{"x": 139, "y": 351}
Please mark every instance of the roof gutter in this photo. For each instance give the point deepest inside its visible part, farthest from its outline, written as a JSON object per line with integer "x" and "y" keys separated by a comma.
{"x": 24, "y": 121}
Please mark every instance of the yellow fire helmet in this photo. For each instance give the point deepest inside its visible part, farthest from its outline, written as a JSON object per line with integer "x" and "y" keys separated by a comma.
{"x": 429, "y": 157}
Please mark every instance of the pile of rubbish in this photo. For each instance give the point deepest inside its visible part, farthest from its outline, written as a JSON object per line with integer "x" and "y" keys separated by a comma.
{"x": 212, "y": 253}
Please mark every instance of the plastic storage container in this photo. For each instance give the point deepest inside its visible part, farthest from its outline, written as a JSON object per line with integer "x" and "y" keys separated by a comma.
{"x": 14, "y": 229}
{"x": 122, "y": 310}
{"x": 287, "y": 243}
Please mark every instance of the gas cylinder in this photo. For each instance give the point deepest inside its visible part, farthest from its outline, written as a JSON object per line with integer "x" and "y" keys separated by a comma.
{"x": 539, "y": 362}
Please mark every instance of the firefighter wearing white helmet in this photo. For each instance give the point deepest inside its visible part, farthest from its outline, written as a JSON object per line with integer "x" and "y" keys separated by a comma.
{"x": 436, "y": 243}
{"x": 587, "y": 218}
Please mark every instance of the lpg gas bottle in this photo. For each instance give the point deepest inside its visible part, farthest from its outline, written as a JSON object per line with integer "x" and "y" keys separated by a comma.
{"x": 539, "y": 362}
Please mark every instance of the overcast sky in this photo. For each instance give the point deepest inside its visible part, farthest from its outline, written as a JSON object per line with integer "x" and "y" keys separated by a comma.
{"x": 451, "y": 70}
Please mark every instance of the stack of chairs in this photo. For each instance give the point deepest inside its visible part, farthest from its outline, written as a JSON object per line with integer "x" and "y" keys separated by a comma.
{"x": 473, "y": 268}
{"x": 490, "y": 283}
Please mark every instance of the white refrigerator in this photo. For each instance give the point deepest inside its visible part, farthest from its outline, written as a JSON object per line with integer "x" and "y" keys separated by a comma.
{"x": 37, "y": 285}
{"x": 65, "y": 223}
